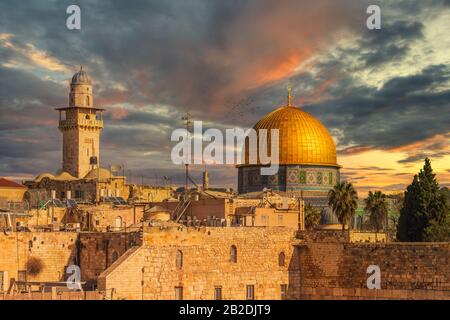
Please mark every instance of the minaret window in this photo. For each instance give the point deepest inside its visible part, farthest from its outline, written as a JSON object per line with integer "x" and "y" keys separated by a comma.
{"x": 88, "y": 102}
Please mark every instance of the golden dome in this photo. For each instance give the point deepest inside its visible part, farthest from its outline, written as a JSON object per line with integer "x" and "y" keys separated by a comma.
{"x": 302, "y": 138}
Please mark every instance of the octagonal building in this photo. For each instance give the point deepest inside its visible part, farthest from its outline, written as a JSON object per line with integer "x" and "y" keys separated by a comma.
{"x": 307, "y": 157}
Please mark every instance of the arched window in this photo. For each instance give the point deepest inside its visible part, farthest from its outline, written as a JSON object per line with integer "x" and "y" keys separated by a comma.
{"x": 179, "y": 259}
{"x": 233, "y": 254}
{"x": 118, "y": 223}
{"x": 114, "y": 256}
{"x": 88, "y": 101}
{"x": 281, "y": 259}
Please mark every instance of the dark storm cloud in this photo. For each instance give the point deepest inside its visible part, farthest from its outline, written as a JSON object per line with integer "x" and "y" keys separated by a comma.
{"x": 418, "y": 157}
{"x": 402, "y": 111}
{"x": 391, "y": 44}
{"x": 226, "y": 61}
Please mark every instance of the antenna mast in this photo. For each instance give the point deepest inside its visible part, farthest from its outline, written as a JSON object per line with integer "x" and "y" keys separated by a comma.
{"x": 187, "y": 119}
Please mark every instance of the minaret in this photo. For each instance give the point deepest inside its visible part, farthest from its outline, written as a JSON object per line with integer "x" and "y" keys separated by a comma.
{"x": 80, "y": 124}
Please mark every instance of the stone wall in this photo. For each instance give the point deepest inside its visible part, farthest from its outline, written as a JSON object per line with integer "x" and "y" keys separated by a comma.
{"x": 322, "y": 265}
{"x": 206, "y": 264}
{"x": 55, "y": 250}
{"x": 106, "y": 217}
{"x": 325, "y": 235}
{"x": 100, "y": 250}
{"x": 408, "y": 270}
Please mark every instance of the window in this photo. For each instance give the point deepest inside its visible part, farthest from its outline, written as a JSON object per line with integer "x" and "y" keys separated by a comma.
{"x": 281, "y": 259}
{"x": 280, "y": 219}
{"x": 283, "y": 290}
{"x": 233, "y": 254}
{"x": 22, "y": 277}
{"x": 2, "y": 280}
{"x": 88, "y": 102}
{"x": 178, "y": 293}
{"x": 179, "y": 259}
{"x": 114, "y": 256}
{"x": 264, "y": 219}
{"x": 250, "y": 292}
{"x": 79, "y": 194}
{"x": 218, "y": 293}
{"x": 118, "y": 223}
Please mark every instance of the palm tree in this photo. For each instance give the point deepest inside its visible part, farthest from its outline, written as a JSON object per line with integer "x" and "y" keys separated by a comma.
{"x": 343, "y": 200}
{"x": 312, "y": 217}
{"x": 377, "y": 208}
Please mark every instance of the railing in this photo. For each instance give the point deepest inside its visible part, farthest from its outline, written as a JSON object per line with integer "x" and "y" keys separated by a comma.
{"x": 181, "y": 209}
{"x": 81, "y": 122}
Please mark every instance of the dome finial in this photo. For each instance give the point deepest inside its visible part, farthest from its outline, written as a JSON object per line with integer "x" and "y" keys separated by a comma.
{"x": 289, "y": 97}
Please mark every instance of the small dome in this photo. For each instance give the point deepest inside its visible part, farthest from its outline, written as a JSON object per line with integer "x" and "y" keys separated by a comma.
{"x": 44, "y": 175}
{"x": 81, "y": 77}
{"x": 65, "y": 176}
{"x": 95, "y": 173}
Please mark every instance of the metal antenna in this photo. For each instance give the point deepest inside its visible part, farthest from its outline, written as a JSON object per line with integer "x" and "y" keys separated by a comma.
{"x": 188, "y": 125}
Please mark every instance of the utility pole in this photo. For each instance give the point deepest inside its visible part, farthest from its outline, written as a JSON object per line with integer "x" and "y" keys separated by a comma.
{"x": 188, "y": 126}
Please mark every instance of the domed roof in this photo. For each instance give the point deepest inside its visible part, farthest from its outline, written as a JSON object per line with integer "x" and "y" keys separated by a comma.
{"x": 44, "y": 175}
{"x": 302, "y": 138}
{"x": 81, "y": 77}
{"x": 65, "y": 176}
{"x": 94, "y": 173}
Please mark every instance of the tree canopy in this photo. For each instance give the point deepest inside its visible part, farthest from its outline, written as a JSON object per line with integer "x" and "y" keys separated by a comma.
{"x": 424, "y": 213}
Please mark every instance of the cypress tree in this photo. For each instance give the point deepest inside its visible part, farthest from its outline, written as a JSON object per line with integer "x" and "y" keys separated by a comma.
{"x": 423, "y": 206}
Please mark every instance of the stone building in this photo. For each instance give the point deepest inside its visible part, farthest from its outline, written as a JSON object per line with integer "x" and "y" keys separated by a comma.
{"x": 11, "y": 191}
{"x": 81, "y": 176}
{"x": 307, "y": 157}
{"x": 80, "y": 125}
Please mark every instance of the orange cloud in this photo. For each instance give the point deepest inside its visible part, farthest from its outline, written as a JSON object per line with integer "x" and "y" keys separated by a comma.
{"x": 30, "y": 54}
{"x": 118, "y": 113}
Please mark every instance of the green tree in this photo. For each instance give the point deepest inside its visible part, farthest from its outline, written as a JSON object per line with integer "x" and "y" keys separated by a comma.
{"x": 396, "y": 205}
{"x": 438, "y": 231}
{"x": 312, "y": 217}
{"x": 424, "y": 207}
{"x": 343, "y": 200}
{"x": 377, "y": 208}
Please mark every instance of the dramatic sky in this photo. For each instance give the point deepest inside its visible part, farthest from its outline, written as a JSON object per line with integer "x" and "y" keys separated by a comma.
{"x": 383, "y": 94}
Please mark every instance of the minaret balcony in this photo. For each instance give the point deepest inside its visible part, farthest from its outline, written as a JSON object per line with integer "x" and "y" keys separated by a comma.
{"x": 98, "y": 124}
